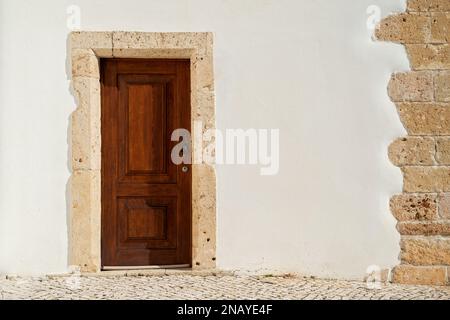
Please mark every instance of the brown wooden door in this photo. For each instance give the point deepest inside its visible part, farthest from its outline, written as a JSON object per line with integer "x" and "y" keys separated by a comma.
{"x": 146, "y": 198}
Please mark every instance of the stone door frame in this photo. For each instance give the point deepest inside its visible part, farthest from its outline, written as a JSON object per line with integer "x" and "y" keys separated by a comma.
{"x": 85, "y": 50}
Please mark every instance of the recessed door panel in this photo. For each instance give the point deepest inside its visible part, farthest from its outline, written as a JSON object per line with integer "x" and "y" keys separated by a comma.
{"x": 146, "y": 126}
{"x": 147, "y": 108}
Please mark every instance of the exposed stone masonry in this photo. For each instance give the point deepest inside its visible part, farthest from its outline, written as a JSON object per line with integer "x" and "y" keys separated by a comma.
{"x": 422, "y": 98}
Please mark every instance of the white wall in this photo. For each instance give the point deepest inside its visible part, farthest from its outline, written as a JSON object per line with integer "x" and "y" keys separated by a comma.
{"x": 307, "y": 67}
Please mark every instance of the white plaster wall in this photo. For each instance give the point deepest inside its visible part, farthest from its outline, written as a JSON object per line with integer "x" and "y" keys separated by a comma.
{"x": 306, "y": 67}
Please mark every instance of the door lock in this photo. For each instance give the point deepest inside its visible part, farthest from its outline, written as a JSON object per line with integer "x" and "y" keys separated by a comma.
{"x": 185, "y": 169}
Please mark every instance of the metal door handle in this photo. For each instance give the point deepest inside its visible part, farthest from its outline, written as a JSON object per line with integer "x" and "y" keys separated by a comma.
{"x": 185, "y": 169}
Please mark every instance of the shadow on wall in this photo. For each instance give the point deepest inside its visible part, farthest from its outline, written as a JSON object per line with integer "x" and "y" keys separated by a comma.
{"x": 68, "y": 68}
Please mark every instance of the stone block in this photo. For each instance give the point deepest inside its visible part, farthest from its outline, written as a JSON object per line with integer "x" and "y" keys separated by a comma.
{"x": 425, "y": 251}
{"x": 426, "y": 179}
{"x": 429, "y": 56}
{"x": 406, "y": 274}
{"x": 425, "y": 118}
{"x": 442, "y": 86}
{"x": 409, "y": 207}
{"x": 412, "y": 151}
{"x": 411, "y": 86}
{"x": 404, "y": 28}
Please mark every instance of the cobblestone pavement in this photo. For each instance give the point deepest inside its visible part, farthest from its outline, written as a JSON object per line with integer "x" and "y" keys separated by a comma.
{"x": 206, "y": 287}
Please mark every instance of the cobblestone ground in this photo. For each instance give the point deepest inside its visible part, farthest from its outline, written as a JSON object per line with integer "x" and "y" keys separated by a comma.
{"x": 206, "y": 287}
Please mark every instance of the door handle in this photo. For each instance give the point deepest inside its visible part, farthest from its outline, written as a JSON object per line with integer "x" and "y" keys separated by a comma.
{"x": 185, "y": 169}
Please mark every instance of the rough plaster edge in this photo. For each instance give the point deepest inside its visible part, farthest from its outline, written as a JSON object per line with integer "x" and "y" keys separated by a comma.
{"x": 85, "y": 49}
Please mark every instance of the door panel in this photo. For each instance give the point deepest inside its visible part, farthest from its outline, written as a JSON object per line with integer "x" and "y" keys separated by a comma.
{"x": 147, "y": 107}
{"x": 146, "y": 128}
{"x": 148, "y": 223}
{"x": 146, "y": 199}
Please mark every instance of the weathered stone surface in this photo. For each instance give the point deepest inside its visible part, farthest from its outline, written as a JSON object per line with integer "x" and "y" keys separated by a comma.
{"x": 448, "y": 276}
{"x": 428, "y": 5}
{"x": 85, "y": 64}
{"x": 204, "y": 217}
{"x": 409, "y": 207}
{"x": 411, "y": 86}
{"x": 426, "y": 179}
{"x": 425, "y": 118}
{"x": 85, "y": 125}
{"x": 407, "y": 274}
{"x": 154, "y": 53}
{"x": 404, "y": 28}
{"x": 443, "y": 150}
{"x": 86, "y": 92}
{"x": 85, "y": 219}
{"x": 444, "y": 205}
{"x": 202, "y": 68}
{"x": 429, "y": 56}
{"x": 440, "y": 27}
{"x": 434, "y": 228}
{"x": 149, "y": 40}
{"x": 442, "y": 86}
{"x": 412, "y": 151}
{"x": 80, "y": 143}
{"x": 425, "y": 251}
{"x": 99, "y": 42}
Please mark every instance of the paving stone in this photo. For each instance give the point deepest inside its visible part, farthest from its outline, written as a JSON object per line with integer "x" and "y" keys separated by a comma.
{"x": 195, "y": 287}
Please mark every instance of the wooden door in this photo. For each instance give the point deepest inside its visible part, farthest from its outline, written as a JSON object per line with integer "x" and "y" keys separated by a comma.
{"x": 146, "y": 198}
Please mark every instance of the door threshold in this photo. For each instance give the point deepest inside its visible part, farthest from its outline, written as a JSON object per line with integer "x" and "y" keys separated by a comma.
{"x": 171, "y": 266}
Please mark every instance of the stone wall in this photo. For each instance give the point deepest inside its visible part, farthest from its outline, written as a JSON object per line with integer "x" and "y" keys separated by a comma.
{"x": 422, "y": 98}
